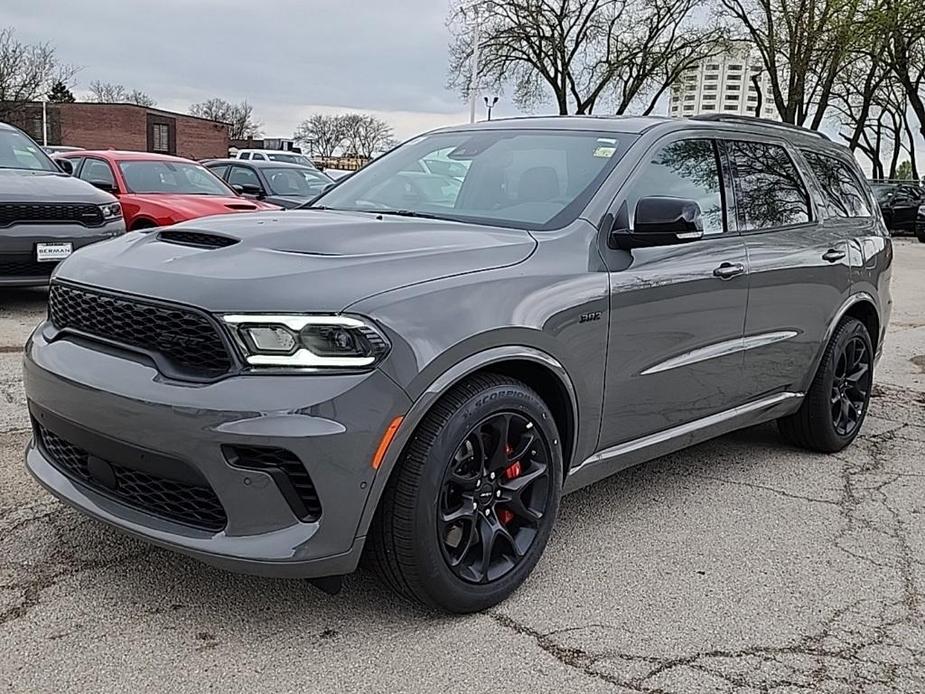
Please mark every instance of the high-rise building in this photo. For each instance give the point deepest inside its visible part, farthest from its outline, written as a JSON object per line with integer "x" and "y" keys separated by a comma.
{"x": 724, "y": 84}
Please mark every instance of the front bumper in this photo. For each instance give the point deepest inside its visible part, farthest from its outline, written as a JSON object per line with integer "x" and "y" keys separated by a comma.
{"x": 333, "y": 424}
{"x": 18, "y": 267}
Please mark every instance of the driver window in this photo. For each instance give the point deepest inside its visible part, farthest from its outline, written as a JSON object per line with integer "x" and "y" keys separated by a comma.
{"x": 686, "y": 169}
{"x": 97, "y": 171}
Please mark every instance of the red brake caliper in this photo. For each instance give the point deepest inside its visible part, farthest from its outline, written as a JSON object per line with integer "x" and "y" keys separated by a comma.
{"x": 510, "y": 472}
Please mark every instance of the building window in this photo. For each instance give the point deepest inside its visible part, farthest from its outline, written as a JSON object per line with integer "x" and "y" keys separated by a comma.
{"x": 733, "y": 87}
{"x": 689, "y": 97}
{"x": 735, "y": 78}
{"x": 712, "y": 66}
{"x": 711, "y": 78}
{"x": 709, "y": 87}
{"x": 735, "y": 68}
{"x": 160, "y": 137}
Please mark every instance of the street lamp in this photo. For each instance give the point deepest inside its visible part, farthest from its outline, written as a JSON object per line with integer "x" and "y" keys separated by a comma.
{"x": 490, "y": 104}
{"x": 476, "y": 21}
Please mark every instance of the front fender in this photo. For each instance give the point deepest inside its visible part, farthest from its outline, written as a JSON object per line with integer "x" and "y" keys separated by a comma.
{"x": 439, "y": 387}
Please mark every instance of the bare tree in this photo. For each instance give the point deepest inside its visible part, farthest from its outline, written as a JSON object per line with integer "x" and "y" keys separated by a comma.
{"x": 576, "y": 49}
{"x": 323, "y": 134}
{"x": 111, "y": 93}
{"x": 27, "y": 72}
{"x": 365, "y": 135}
{"x": 903, "y": 24}
{"x": 804, "y": 44}
{"x": 242, "y": 125}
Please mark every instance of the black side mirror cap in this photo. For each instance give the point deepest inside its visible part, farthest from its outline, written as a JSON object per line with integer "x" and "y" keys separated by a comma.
{"x": 659, "y": 221}
{"x": 250, "y": 189}
{"x": 66, "y": 166}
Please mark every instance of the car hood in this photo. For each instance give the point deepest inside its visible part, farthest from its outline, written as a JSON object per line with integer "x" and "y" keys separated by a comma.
{"x": 296, "y": 261}
{"x": 21, "y": 185}
{"x": 192, "y": 206}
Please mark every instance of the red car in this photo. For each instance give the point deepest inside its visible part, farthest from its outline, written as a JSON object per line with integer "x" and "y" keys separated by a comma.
{"x": 156, "y": 189}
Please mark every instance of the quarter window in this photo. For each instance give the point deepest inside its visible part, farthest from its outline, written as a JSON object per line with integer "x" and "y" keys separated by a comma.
{"x": 841, "y": 190}
{"x": 769, "y": 191}
{"x": 686, "y": 169}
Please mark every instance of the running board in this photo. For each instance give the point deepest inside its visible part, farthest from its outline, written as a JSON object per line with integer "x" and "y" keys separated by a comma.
{"x": 623, "y": 455}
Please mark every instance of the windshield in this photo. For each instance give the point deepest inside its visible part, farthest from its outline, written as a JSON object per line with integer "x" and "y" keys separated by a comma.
{"x": 290, "y": 158}
{"x": 534, "y": 179}
{"x": 19, "y": 152}
{"x": 177, "y": 178}
{"x": 300, "y": 183}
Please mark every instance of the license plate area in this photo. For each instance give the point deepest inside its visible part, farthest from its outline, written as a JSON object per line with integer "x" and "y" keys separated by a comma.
{"x": 53, "y": 252}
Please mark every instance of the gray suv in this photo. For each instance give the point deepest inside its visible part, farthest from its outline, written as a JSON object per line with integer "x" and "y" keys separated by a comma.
{"x": 417, "y": 375}
{"x": 45, "y": 215}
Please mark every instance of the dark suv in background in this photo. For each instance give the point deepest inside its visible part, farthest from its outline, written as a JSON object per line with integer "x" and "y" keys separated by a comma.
{"x": 903, "y": 207}
{"x": 420, "y": 378}
{"x": 45, "y": 214}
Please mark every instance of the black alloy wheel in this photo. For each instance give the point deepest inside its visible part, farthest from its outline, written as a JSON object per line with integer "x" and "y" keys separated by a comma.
{"x": 495, "y": 493}
{"x": 835, "y": 404}
{"x": 470, "y": 506}
{"x": 850, "y": 386}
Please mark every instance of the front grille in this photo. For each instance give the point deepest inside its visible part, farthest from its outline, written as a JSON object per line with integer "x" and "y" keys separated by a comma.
{"x": 24, "y": 265}
{"x": 86, "y": 214}
{"x": 197, "y": 239}
{"x": 176, "y": 501}
{"x": 291, "y": 476}
{"x": 188, "y": 340}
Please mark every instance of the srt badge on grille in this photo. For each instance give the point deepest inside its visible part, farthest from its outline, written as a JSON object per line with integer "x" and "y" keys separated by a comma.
{"x": 168, "y": 340}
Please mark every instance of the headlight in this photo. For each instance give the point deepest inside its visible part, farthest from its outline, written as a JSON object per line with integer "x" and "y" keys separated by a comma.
{"x": 111, "y": 210}
{"x": 308, "y": 342}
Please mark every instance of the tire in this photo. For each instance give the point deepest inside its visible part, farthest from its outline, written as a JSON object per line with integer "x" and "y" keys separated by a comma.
{"x": 814, "y": 426}
{"x": 920, "y": 235}
{"x": 410, "y": 547}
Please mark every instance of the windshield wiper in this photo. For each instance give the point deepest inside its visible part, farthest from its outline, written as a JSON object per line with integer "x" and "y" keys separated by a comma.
{"x": 404, "y": 213}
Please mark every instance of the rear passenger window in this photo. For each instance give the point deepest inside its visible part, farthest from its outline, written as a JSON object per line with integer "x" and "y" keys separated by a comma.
{"x": 769, "y": 190}
{"x": 841, "y": 190}
{"x": 686, "y": 169}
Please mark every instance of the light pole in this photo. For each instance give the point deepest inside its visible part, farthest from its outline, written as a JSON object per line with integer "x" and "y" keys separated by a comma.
{"x": 45, "y": 122}
{"x": 474, "y": 77}
{"x": 490, "y": 104}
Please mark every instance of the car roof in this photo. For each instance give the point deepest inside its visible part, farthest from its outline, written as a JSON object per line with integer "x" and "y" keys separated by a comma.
{"x": 123, "y": 155}
{"x": 260, "y": 164}
{"x": 274, "y": 151}
{"x": 661, "y": 125}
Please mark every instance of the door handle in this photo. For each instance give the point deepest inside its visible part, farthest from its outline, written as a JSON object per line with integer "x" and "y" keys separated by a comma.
{"x": 833, "y": 255}
{"x": 727, "y": 271}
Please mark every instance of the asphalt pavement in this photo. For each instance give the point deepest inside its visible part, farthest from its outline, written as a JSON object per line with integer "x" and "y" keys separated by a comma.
{"x": 741, "y": 565}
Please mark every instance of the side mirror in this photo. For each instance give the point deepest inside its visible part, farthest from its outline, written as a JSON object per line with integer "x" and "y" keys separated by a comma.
{"x": 659, "y": 221}
{"x": 251, "y": 189}
{"x": 105, "y": 185}
{"x": 66, "y": 166}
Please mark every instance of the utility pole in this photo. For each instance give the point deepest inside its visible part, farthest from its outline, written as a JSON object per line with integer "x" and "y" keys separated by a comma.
{"x": 474, "y": 78}
{"x": 490, "y": 104}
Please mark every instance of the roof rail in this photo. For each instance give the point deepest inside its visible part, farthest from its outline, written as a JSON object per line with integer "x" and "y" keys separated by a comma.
{"x": 754, "y": 120}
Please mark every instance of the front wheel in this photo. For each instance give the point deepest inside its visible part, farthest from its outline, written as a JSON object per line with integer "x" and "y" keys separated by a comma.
{"x": 467, "y": 513}
{"x": 836, "y": 404}
{"x": 920, "y": 234}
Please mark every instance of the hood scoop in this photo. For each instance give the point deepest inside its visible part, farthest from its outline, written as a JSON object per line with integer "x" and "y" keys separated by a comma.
{"x": 243, "y": 206}
{"x": 197, "y": 239}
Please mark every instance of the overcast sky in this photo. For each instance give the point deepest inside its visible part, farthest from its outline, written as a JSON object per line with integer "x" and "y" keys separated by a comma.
{"x": 288, "y": 58}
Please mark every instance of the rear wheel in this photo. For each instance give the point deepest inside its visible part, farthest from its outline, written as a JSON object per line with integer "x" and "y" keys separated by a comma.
{"x": 836, "y": 404}
{"x": 467, "y": 513}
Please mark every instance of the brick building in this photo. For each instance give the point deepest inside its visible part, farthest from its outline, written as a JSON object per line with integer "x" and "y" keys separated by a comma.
{"x": 126, "y": 127}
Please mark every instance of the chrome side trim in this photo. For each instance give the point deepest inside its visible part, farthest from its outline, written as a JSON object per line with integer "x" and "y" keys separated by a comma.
{"x": 684, "y": 429}
{"x": 721, "y": 349}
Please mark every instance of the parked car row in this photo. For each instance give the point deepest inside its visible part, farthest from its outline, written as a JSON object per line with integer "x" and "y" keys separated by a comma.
{"x": 56, "y": 199}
